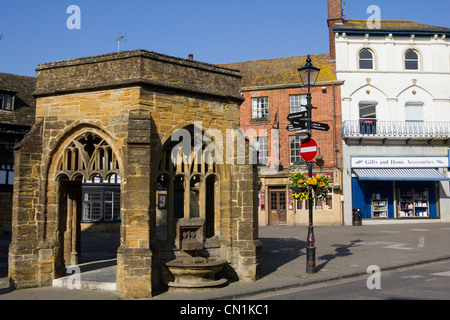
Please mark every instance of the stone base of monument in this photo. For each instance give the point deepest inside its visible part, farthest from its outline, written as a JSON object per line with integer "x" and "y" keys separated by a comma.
{"x": 196, "y": 272}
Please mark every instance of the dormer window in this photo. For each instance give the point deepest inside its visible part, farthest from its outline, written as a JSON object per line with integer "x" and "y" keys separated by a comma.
{"x": 6, "y": 101}
{"x": 411, "y": 60}
{"x": 366, "y": 59}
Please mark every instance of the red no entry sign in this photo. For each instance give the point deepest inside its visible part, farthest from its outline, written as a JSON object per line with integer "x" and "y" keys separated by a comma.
{"x": 308, "y": 149}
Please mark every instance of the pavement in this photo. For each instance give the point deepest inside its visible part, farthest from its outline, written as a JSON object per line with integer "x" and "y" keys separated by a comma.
{"x": 342, "y": 252}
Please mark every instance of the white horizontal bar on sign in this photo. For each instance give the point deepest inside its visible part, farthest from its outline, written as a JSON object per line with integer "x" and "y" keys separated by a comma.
{"x": 308, "y": 149}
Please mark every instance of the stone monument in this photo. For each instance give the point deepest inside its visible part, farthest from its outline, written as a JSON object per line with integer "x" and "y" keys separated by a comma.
{"x": 120, "y": 116}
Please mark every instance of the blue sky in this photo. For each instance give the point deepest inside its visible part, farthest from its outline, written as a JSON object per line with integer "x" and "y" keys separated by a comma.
{"x": 214, "y": 31}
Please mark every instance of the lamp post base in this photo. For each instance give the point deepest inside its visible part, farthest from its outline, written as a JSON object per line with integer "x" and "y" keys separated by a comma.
{"x": 310, "y": 252}
{"x": 311, "y": 260}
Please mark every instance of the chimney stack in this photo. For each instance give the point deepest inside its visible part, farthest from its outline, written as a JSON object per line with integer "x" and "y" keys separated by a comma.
{"x": 335, "y": 16}
{"x": 191, "y": 56}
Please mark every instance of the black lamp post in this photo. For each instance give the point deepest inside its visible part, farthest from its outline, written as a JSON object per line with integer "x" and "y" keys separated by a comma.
{"x": 308, "y": 74}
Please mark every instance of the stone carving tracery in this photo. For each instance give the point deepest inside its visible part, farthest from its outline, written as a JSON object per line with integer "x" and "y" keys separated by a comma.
{"x": 88, "y": 155}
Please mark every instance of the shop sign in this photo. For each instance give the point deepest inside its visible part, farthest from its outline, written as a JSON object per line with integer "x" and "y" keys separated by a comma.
{"x": 399, "y": 162}
{"x": 262, "y": 199}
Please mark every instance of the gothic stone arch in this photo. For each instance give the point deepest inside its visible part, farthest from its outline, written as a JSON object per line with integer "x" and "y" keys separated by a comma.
{"x": 124, "y": 105}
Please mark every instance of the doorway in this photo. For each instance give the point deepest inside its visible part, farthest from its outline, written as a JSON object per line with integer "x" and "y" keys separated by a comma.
{"x": 277, "y": 206}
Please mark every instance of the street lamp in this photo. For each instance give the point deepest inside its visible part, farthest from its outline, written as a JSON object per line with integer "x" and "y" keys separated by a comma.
{"x": 308, "y": 74}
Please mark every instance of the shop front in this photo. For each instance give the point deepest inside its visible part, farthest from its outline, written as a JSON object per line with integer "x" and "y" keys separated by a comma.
{"x": 390, "y": 188}
{"x": 278, "y": 207}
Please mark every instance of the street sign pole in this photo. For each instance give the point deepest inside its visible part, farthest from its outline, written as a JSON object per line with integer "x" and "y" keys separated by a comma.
{"x": 311, "y": 249}
{"x": 309, "y": 74}
{"x": 309, "y": 108}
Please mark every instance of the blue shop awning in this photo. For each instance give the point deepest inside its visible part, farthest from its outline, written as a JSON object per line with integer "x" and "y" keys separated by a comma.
{"x": 400, "y": 174}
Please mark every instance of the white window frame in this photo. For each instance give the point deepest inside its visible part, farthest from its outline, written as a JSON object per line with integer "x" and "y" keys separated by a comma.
{"x": 411, "y": 60}
{"x": 294, "y": 152}
{"x": 366, "y": 59}
{"x": 297, "y": 103}
{"x": 260, "y": 109}
{"x": 262, "y": 146}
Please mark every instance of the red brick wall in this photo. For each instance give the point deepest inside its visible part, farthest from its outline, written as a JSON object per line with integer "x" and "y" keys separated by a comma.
{"x": 334, "y": 9}
{"x": 328, "y": 111}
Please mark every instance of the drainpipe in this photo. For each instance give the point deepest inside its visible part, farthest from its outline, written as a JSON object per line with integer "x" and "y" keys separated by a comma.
{"x": 334, "y": 126}
{"x": 336, "y": 164}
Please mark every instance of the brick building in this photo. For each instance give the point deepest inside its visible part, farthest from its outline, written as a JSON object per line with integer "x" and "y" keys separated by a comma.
{"x": 17, "y": 107}
{"x": 272, "y": 90}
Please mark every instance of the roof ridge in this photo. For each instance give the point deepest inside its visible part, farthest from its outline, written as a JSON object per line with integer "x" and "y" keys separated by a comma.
{"x": 391, "y": 24}
{"x": 272, "y": 59}
{"x": 16, "y": 75}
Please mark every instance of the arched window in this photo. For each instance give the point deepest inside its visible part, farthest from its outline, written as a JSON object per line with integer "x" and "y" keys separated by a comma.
{"x": 192, "y": 184}
{"x": 88, "y": 154}
{"x": 366, "y": 59}
{"x": 411, "y": 60}
{"x": 89, "y": 158}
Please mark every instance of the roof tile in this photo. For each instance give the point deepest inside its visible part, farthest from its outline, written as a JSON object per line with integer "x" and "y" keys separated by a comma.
{"x": 281, "y": 71}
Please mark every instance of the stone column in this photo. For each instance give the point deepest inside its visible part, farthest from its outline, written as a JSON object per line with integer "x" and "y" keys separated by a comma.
{"x": 239, "y": 222}
{"x": 23, "y": 252}
{"x": 134, "y": 258}
{"x": 247, "y": 248}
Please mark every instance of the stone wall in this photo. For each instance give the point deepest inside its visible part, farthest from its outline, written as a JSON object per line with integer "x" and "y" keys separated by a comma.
{"x": 134, "y": 101}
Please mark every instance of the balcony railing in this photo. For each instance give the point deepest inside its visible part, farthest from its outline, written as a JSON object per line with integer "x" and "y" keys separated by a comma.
{"x": 406, "y": 129}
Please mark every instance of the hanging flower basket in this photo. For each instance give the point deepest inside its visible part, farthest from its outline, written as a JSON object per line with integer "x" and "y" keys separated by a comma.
{"x": 301, "y": 185}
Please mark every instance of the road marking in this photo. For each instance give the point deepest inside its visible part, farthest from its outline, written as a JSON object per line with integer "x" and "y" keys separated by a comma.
{"x": 442, "y": 274}
{"x": 387, "y": 245}
{"x": 421, "y": 243}
{"x": 420, "y": 230}
{"x": 412, "y": 277}
{"x": 399, "y": 246}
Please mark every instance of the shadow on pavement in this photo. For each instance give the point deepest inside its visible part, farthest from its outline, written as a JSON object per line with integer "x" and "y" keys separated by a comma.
{"x": 342, "y": 250}
{"x": 99, "y": 245}
{"x": 279, "y": 251}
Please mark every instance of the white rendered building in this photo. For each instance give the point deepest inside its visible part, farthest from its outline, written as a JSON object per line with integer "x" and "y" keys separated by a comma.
{"x": 396, "y": 118}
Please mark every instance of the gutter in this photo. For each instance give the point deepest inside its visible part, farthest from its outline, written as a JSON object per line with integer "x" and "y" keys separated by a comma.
{"x": 391, "y": 31}
{"x": 291, "y": 85}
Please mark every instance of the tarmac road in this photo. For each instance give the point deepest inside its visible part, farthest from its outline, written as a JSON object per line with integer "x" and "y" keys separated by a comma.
{"x": 429, "y": 281}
